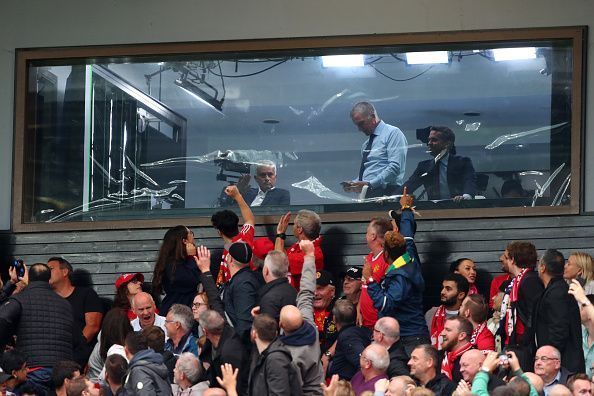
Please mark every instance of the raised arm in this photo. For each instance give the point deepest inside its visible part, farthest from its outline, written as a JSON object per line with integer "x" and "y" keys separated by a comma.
{"x": 281, "y": 228}
{"x": 202, "y": 260}
{"x": 305, "y": 297}
{"x": 246, "y": 212}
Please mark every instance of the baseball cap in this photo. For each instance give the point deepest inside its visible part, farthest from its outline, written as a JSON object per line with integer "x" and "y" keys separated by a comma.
{"x": 354, "y": 272}
{"x": 262, "y": 246}
{"x": 4, "y": 377}
{"x": 241, "y": 252}
{"x": 125, "y": 278}
{"x": 324, "y": 278}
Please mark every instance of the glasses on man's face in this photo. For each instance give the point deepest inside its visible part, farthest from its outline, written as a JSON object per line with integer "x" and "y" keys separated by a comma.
{"x": 544, "y": 359}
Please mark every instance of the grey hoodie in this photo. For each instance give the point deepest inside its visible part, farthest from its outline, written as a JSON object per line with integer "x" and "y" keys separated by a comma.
{"x": 147, "y": 375}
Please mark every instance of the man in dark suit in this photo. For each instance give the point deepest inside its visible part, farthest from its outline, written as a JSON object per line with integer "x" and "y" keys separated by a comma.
{"x": 447, "y": 176}
{"x": 266, "y": 193}
{"x": 556, "y": 318}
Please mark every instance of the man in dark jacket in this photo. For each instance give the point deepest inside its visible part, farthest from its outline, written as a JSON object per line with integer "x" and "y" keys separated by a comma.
{"x": 277, "y": 292}
{"x": 556, "y": 319}
{"x": 147, "y": 375}
{"x": 400, "y": 292}
{"x": 43, "y": 324}
{"x": 300, "y": 333}
{"x": 240, "y": 294}
{"x": 424, "y": 367}
{"x": 446, "y": 176}
{"x": 350, "y": 343}
{"x": 222, "y": 346}
{"x": 271, "y": 371}
{"x": 386, "y": 332}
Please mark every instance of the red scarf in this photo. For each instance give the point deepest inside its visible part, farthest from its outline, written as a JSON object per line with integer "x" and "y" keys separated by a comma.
{"x": 472, "y": 289}
{"x": 508, "y": 307}
{"x": 475, "y": 333}
{"x": 447, "y": 364}
{"x": 437, "y": 324}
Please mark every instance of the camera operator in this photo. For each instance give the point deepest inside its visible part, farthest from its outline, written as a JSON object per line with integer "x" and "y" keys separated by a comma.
{"x": 267, "y": 193}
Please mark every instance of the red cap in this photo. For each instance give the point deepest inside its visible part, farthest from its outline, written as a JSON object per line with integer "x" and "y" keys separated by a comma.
{"x": 262, "y": 246}
{"x": 125, "y": 278}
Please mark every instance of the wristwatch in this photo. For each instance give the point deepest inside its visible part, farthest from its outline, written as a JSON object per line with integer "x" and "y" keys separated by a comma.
{"x": 281, "y": 235}
{"x": 328, "y": 354}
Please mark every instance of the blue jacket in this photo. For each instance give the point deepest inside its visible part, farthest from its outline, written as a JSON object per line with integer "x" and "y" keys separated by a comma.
{"x": 350, "y": 343}
{"x": 400, "y": 293}
{"x": 188, "y": 343}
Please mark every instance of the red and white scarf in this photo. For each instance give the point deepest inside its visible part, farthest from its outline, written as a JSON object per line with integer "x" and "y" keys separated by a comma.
{"x": 447, "y": 364}
{"x": 437, "y": 324}
{"x": 508, "y": 306}
{"x": 475, "y": 333}
{"x": 472, "y": 289}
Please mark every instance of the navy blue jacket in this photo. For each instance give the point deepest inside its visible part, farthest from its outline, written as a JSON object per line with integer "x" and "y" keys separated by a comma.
{"x": 461, "y": 177}
{"x": 277, "y": 196}
{"x": 240, "y": 295}
{"x": 350, "y": 343}
{"x": 400, "y": 293}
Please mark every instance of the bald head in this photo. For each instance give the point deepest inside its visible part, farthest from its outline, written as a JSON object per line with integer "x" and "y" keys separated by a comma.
{"x": 387, "y": 331}
{"x": 536, "y": 381}
{"x": 376, "y": 357}
{"x": 143, "y": 306}
{"x": 559, "y": 390}
{"x": 214, "y": 392}
{"x": 470, "y": 364}
{"x": 290, "y": 319}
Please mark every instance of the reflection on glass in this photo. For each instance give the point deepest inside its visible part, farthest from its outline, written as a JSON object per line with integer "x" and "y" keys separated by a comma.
{"x": 164, "y": 137}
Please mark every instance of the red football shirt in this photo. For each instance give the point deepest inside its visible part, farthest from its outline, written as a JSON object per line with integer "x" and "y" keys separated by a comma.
{"x": 378, "y": 269}
{"x": 246, "y": 234}
{"x": 295, "y": 256}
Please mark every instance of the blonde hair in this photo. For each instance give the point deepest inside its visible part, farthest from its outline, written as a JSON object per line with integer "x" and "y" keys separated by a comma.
{"x": 584, "y": 261}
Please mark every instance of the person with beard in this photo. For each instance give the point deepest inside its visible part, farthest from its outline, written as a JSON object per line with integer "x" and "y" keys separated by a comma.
{"x": 447, "y": 175}
{"x": 456, "y": 340}
{"x": 520, "y": 299}
{"x": 454, "y": 290}
{"x": 475, "y": 310}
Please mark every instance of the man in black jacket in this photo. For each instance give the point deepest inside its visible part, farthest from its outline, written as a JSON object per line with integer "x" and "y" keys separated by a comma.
{"x": 424, "y": 367}
{"x": 222, "y": 346}
{"x": 240, "y": 294}
{"x": 147, "y": 375}
{"x": 271, "y": 369}
{"x": 277, "y": 292}
{"x": 556, "y": 319}
{"x": 350, "y": 343}
{"x": 386, "y": 332}
{"x": 43, "y": 324}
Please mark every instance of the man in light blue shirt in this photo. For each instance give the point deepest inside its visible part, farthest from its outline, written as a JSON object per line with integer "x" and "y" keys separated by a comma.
{"x": 383, "y": 154}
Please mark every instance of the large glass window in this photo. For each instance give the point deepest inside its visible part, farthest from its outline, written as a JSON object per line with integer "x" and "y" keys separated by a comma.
{"x": 466, "y": 125}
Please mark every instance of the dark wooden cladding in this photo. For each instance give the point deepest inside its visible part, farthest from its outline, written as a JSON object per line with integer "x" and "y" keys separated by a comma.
{"x": 102, "y": 255}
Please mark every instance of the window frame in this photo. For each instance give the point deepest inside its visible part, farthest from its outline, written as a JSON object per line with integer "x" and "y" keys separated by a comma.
{"x": 578, "y": 35}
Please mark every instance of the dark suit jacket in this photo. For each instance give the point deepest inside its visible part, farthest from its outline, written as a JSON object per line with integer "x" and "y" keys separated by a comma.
{"x": 278, "y": 196}
{"x": 556, "y": 322}
{"x": 461, "y": 177}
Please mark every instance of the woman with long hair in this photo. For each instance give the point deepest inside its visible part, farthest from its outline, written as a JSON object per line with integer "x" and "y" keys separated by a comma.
{"x": 467, "y": 268}
{"x": 127, "y": 286}
{"x": 176, "y": 272}
{"x": 580, "y": 265}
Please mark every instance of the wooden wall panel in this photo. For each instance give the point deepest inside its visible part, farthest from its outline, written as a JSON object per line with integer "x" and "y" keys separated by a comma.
{"x": 100, "y": 256}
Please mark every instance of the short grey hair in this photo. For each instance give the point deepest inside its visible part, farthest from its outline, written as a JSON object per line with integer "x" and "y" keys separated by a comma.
{"x": 266, "y": 163}
{"x": 212, "y": 321}
{"x": 277, "y": 263}
{"x": 189, "y": 364}
{"x": 379, "y": 357}
{"x": 383, "y": 325}
{"x": 310, "y": 222}
{"x": 182, "y": 314}
{"x": 364, "y": 108}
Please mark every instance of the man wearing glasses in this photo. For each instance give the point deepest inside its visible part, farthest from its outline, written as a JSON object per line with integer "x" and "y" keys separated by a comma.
{"x": 547, "y": 365}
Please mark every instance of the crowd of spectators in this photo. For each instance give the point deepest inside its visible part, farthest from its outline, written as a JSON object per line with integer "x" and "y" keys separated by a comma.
{"x": 271, "y": 320}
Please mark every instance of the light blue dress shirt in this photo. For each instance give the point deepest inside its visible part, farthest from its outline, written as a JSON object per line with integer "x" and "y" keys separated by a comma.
{"x": 387, "y": 159}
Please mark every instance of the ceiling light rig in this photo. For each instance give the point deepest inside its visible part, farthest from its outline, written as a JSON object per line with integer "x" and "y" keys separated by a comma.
{"x": 193, "y": 80}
